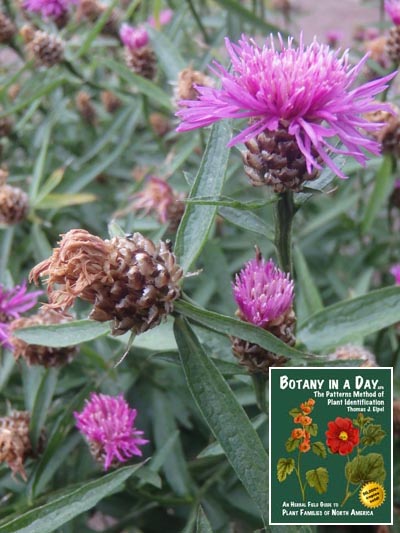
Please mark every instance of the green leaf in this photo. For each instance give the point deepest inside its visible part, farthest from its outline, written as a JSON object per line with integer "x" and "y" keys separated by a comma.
{"x": 233, "y": 6}
{"x": 237, "y": 328}
{"x": 248, "y": 221}
{"x": 225, "y": 417}
{"x": 198, "y": 219}
{"x": 175, "y": 467}
{"x": 167, "y": 54}
{"x": 319, "y": 449}
{"x": 53, "y": 180}
{"x": 292, "y": 444}
{"x": 344, "y": 321}
{"x": 318, "y": 479}
{"x": 56, "y": 201}
{"x": 294, "y": 412}
{"x": 202, "y": 523}
{"x": 313, "y": 429}
{"x": 372, "y": 434}
{"x": 67, "y": 504}
{"x": 365, "y": 468}
{"x": 225, "y": 201}
{"x": 383, "y": 185}
{"x": 40, "y": 163}
{"x": 144, "y": 86}
{"x": 306, "y": 283}
{"x": 61, "y": 335}
{"x": 284, "y": 468}
{"x": 41, "y": 404}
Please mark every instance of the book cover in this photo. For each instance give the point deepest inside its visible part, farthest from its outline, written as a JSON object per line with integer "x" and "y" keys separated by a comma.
{"x": 330, "y": 445}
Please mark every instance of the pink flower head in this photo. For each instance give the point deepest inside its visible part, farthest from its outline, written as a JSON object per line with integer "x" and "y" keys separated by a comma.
{"x": 333, "y": 37}
{"x": 395, "y": 271}
{"x": 262, "y": 291}
{"x": 392, "y": 8}
{"x": 107, "y": 422}
{"x": 305, "y": 88}
{"x": 158, "y": 197}
{"x": 133, "y": 38}
{"x": 12, "y": 303}
{"x": 164, "y": 17}
{"x": 48, "y": 8}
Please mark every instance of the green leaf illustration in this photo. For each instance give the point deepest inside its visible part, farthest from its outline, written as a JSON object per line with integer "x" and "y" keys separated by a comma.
{"x": 318, "y": 479}
{"x": 312, "y": 429}
{"x": 294, "y": 412}
{"x": 284, "y": 468}
{"x": 366, "y": 468}
{"x": 319, "y": 449}
{"x": 373, "y": 434}
{"x": 292, "y": 444}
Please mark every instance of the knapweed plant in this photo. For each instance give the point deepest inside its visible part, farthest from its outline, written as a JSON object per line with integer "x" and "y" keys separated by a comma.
{"x": 190, "y": 193}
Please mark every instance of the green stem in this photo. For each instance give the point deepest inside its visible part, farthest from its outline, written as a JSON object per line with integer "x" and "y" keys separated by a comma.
{"x": 198, "y": 20}
{"x": 284, "y": 213}
{"x": 260, "y": 383}
{"x": 299, "y": 477}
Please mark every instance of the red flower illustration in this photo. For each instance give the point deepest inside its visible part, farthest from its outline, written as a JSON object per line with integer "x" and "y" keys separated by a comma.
{"x": 342, "y": 436}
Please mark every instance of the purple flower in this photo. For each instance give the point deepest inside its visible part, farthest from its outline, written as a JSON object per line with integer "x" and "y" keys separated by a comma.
{"x": 392, "y": 8}
{"x": 307, "y": 89}
{"x": 13, "y": 302}
{"x": 133, "y": 38}
{"x": 395, "y": 271}
{"x": 164, "y": 17}
{"x": 262, "y": 291}
{"x": 48, "y": 8}
{"x": 107, "y": 422}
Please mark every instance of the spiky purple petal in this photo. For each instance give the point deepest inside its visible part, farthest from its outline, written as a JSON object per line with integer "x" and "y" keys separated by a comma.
{"x": 108, "y": 421}
{"x": 48, "y": 8}
{"x": 262, "y": 291}
{"x": 392, "y": 8}
{"x": 307, "y": 88}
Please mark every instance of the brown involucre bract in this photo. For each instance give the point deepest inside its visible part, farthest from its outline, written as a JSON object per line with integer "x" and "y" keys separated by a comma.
{"x": 15, "y": 444}
{"x": 14, "y": 204}
{"x": 129, "y": 280}
{"x": 34, "y": 354}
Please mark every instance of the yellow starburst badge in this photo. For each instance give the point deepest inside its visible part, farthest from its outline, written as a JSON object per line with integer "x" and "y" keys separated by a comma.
{"x": 372, "y": 495}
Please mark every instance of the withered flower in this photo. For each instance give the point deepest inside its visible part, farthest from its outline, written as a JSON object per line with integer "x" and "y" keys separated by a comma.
{"x": 15, "y": 444}
{"x": 129, "y": 279}
{"x": 33, "y": 354}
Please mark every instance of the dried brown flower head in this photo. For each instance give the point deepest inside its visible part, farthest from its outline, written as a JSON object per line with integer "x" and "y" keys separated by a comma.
{"x": 110, "y": 101}
{"x": 159, "y": 123}
{"x": 389, "y": 134}
{"x": 7, "y": 29}
{"x": 13, "y": 202}
{"x": 129, "y": 280}
{"x": 350, "y": 352}
{"x": 85, "y": 107}
{"x": 92, "y": 10}
{"x": 159, "y": 198}
{"x": 41, "y": 355}
{"x": 142, "y": 61}
{"x": 47, "y": 50}
{"x": 15, "y": 445}
{"x": 187, "y": 79}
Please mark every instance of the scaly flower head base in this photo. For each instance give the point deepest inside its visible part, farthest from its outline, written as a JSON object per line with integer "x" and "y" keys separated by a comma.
{"x": 129, "y": 279}
{"x": 107, "y": 422}
{"x": 264, "y": 295}
{"x": 308, "y": 89}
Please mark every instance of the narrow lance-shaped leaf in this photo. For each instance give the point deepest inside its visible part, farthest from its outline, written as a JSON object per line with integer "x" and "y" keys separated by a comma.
{"x": 61, "y": 335}
{"x": 225, "y": 416}
{"x": 197, "y": 220}
{"x": 66, "y": 505}
{"x": 238, "y": 328}
{"x": 344, "y": 321}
